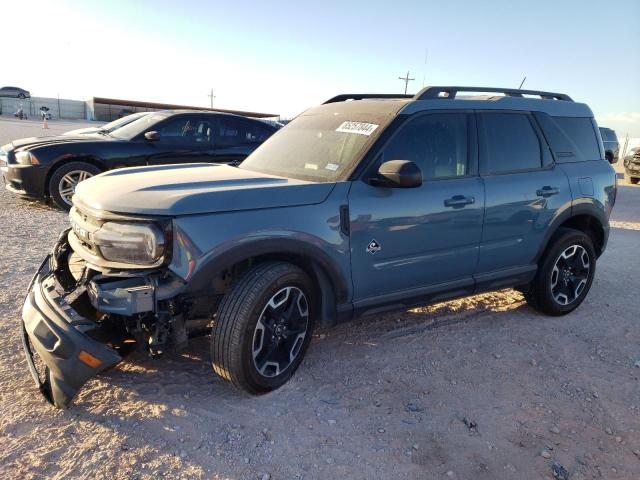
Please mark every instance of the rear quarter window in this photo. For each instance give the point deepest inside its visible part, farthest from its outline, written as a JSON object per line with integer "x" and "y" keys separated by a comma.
{"x": 582, "y": 133}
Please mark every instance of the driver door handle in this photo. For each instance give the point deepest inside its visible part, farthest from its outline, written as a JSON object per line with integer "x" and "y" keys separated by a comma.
{"x": 459, "y": 201}
{"x": 547, "y": 191}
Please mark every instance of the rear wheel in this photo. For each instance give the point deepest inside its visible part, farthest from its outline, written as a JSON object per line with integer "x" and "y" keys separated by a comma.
{"x": 65, "y": 179}
{"x": 565, "y": 275}
{"x": 634, "y": 180}
{"x": 263, "y": 327}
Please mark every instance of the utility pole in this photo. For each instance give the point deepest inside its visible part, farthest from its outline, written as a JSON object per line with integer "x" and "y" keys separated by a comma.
{"x": 522, "y": 83}
{"x": 406, "y": 81}
{"x": 211, "y": 97}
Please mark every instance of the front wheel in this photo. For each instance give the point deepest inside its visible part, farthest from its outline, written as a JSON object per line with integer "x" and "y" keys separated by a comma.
{"x": 263, "y": 327}
{"x": 634, "y": 180}
{"x": 565, "y": 274}
{"x": 65, "y": 179}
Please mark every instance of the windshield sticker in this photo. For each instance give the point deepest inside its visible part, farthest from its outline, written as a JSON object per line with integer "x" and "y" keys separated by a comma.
{"x": 332, "y": 166}
{"x": 360, "y": 128}
{"x": 310, "y": 166}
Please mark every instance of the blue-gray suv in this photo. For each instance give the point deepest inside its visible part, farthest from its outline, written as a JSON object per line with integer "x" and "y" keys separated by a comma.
{"x": 365, "y": 204}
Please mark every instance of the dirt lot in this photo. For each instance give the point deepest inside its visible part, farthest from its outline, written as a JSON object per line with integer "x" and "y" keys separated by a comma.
{"x": 479, "y": 388}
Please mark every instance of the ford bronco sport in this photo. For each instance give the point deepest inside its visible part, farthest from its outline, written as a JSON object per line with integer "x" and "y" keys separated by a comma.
{"x": 364, "y": 204}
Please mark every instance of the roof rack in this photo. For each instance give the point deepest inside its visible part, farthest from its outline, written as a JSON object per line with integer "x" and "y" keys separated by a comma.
{"x": 430, "y": 93}
{"x": 361, "y": 96}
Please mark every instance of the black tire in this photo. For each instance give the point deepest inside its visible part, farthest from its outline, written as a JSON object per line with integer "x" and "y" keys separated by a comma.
{"x": 22, "y": 96}
{"x": 634, "y": 180}
{"x": 542, "y": 295}
{"x": 59, "y": 174}
{"x": 233, "y": 340}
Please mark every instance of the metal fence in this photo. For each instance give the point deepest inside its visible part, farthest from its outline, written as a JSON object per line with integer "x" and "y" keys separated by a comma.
{"x": 59, "y": 108}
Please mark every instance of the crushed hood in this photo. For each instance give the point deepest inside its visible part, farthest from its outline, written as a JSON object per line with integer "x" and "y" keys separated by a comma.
{"x": 195, "y": 188}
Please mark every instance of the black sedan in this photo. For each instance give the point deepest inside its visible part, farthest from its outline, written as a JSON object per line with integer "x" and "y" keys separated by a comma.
{"x": 51, "y": 167}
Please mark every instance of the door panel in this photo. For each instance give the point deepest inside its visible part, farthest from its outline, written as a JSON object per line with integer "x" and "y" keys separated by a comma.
{"x": 518, "y": 212}
{"x": 525, "y": 191}
{"x": 421, "y": 240}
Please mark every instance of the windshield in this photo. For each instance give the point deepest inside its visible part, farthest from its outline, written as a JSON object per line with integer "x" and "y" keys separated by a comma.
{"x": 121, "y": 122}
{"x": 138, "y": 126}
{"x": 318, "y": 148}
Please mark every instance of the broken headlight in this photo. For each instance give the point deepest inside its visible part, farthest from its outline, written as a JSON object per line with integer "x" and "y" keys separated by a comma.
{"x": 141, "y": 244}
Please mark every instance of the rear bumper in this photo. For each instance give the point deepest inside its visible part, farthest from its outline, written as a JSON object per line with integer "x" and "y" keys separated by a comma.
{"x": 55, "y": 332}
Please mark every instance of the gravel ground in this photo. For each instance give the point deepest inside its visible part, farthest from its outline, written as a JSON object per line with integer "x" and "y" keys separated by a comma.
{"x": 478, "y": 388}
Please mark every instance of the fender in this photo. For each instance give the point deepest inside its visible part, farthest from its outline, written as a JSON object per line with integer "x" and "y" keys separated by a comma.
{"x": 234, "y": 251}
{"x": 582, "y": 207}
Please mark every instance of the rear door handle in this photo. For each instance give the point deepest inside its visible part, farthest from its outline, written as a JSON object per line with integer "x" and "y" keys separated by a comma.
{"x": 547, "y": 191}
{"x": 459, "y": 201}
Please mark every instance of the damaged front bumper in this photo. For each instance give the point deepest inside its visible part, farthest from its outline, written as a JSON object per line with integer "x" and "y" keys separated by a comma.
{"x": 58, "y": 335}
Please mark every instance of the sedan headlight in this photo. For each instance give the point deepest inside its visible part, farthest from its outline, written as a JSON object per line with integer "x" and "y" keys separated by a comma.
{"x": 141, "y": 244}
{"x": 26, "y": 158}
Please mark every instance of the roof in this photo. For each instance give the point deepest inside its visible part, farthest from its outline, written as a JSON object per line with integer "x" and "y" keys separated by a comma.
{"x": 440, "y": 98}
{"x": 377, "y": 107}
{"x": 168, "y": 106}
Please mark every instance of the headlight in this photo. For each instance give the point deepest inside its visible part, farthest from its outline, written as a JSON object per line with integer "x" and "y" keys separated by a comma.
{"x": 26, "y": 158}
{"x": 142, "y": 244}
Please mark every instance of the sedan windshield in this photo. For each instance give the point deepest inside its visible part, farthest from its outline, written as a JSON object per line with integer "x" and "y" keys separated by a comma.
{"x": 138, "y": 126}
{"x": 317, "y": 148}
{"x": 121, "y": 122}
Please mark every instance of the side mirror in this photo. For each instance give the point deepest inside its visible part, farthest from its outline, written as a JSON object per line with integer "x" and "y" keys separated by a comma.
{"x": 152, "y": 136}
{"x": 398, "y": 174}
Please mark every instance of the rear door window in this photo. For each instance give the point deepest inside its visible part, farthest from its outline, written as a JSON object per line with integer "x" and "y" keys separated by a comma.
{"x": 582, "y": 133}
{"x": 235, "y": 131}
{"x": 508, "y": 143}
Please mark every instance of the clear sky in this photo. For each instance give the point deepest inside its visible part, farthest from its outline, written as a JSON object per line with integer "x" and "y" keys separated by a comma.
{"x": 284, "y": 56}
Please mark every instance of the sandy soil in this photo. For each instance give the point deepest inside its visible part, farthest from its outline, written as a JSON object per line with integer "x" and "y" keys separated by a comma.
{"x": 479, "y": 388}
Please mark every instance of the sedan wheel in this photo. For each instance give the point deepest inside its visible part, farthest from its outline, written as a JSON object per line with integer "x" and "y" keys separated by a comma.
{"x": 68, "y": 183}
{"x": 64, "y": 180}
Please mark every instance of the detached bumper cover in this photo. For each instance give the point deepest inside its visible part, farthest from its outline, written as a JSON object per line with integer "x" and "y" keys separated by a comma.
{"x": 53, "y": 331}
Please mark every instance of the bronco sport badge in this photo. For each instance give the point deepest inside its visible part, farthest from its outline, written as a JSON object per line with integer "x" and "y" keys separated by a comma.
{"x": 373, "y": 247}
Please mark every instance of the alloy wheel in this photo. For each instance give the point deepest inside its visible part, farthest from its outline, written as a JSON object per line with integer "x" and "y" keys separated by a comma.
{"x": 280, "y": 332}
{"x": 69, "y": 182}
{"x": 570, "y": 274}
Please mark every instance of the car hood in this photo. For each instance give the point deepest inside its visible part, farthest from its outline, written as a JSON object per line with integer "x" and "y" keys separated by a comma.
{"x": 32, "y": 142}
{"x": 175, "y": 190}
{"x": 82, "y": 131}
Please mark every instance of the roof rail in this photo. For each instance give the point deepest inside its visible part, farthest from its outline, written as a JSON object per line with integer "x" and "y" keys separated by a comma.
{"x": 361, "y": 96}
{"x": 430, "y": 93}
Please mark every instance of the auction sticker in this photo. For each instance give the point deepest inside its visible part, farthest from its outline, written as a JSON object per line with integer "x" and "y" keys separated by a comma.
{"x": 360, "y": 128}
